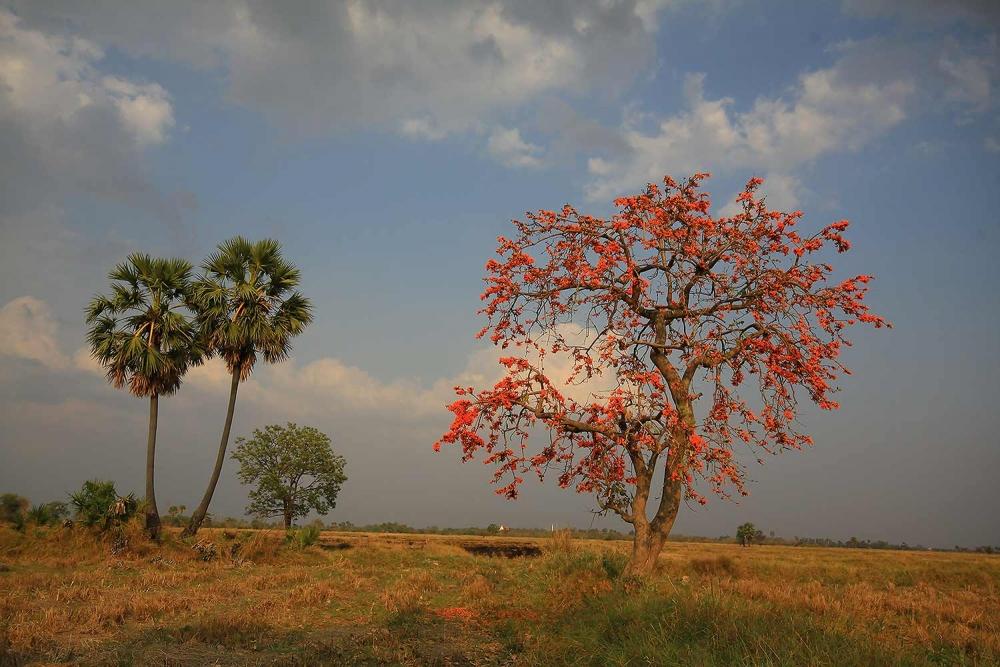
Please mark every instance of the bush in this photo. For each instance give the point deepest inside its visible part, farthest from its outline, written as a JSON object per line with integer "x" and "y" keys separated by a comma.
{"x": 303, "y": 537}
{"x": 12, "y": 507}
{"x": 97, "y": 504}
{"x": 48, "y": 513}
{"x": 614, "y": 564}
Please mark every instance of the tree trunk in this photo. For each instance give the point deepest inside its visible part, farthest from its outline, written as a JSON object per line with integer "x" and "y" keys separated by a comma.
{"x": 152, "y": 515}
{"x": 199, "y": 514}
{"x": 646, "y": 547}
{"x": 650, "y": 536}
{"x": 288, "y": 518}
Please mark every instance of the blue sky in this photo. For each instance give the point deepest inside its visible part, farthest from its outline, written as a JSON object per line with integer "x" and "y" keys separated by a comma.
{"x": 386, "y": 145}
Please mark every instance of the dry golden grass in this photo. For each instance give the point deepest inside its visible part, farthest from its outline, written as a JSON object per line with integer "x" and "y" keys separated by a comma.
{"x": 406, "y": 599}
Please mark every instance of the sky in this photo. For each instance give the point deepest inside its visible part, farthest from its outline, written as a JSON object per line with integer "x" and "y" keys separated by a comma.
{"x": 386, "y": 145}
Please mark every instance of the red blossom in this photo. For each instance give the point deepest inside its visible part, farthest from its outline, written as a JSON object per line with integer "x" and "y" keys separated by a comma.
{"x": 686, "y": 311}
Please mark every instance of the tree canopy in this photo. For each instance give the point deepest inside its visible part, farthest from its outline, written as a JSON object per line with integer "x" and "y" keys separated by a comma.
{"x": 294, "y": 471}
{"x": 708, "y": 330}
{"x": 143, "y": 333}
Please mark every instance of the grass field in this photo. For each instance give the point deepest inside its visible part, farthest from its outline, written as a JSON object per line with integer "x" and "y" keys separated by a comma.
{"x": 418, "y": 599}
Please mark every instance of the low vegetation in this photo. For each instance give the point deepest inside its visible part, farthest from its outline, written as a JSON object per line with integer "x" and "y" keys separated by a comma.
{"x": 267, "y": 597}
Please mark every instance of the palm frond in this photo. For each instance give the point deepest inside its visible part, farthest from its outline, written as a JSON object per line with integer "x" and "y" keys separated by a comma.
{"x": 145, "y": 333}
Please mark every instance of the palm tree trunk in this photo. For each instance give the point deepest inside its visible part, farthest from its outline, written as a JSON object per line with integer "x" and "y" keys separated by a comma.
{"x": 152, "y": 515}
{"x": 199, "y": 514}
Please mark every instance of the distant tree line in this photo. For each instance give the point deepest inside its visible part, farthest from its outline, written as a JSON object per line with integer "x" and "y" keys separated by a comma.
{"x": 18, "y": 511}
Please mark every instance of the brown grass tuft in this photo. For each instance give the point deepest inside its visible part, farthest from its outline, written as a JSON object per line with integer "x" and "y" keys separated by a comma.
{"x": 718, "y": 566}
{"x": 562, "y": 541}
{"x": 477, "y": 587}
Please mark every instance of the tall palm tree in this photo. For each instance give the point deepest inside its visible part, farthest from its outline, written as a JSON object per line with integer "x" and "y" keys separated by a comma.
{"x": 248, "y": 307}
{"x": 145, "y": 340}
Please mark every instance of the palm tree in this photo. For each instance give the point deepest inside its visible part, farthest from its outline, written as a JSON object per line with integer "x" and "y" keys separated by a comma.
{"x": 145, "y": 340}
{"x": 248, "y": 307}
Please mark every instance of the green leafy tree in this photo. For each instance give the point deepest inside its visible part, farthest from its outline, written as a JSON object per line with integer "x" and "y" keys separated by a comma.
{"x": 175, "y": 515}
{"x": 294, "y": 470}
{"x": 12, "y": 507}
{"x": 746, "y": 534}
{"x": 145, "y": 337}
{"x": 249, "y": 308}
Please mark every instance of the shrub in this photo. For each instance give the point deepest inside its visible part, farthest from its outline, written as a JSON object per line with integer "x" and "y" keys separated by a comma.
{"x": 303, "y": 537}
{"x": 12, "y": 506}
{"x": 47, "y": 513}
{"x": 614, "y": 564}
{"x": 97, "y": 504}
{"x": 58, "y": 511}
{"x": 39, "y": 515}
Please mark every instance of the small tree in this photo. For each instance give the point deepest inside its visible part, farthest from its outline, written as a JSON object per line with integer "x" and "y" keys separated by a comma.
{"x": 746, "y": 534}
{"x": 12, "y": 507}
{"x": 707, "y": 331}
{"x": 294, "y": 469}
{"x": 175, "y": 514}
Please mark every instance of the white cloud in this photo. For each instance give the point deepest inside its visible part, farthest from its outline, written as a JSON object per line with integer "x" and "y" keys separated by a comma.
{"x": 970, "y": 72}
{"x": 421, "y": 128}
{"x": 50, "y": 79}
{"x": 971, "y": 80}
{"x": 424, "y": 69}
{"x": 781, "y": 191}
{"x": 828, "y": 110}
{"x": 67, "y": 126}
{"x": 28, "y": 330}
{"x": 509, "y": 149}
{"x": 873, "y": 86}
{"x": 144, "y": 109}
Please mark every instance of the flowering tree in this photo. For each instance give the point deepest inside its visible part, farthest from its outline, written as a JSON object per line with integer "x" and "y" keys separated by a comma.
{"x": 689, "y": 317}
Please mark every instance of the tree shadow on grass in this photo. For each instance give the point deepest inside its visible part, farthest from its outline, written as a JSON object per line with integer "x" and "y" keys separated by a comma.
{"x": 406, "y": 638}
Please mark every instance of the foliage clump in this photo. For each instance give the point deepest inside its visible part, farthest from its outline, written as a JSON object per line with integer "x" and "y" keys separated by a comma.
{"x": 303, "y": 537}
{"x": 294, "y": 469}
{"x": 11, "y": 505}
{"x": 48, "y": 514}
{"x": 98, "y": 505}
{"x": 748, "y": 533}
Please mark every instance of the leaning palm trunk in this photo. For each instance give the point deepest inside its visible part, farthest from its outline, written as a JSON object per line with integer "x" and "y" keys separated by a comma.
{"x": 152, "y": 515}
{"x": 199, "y": 514}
